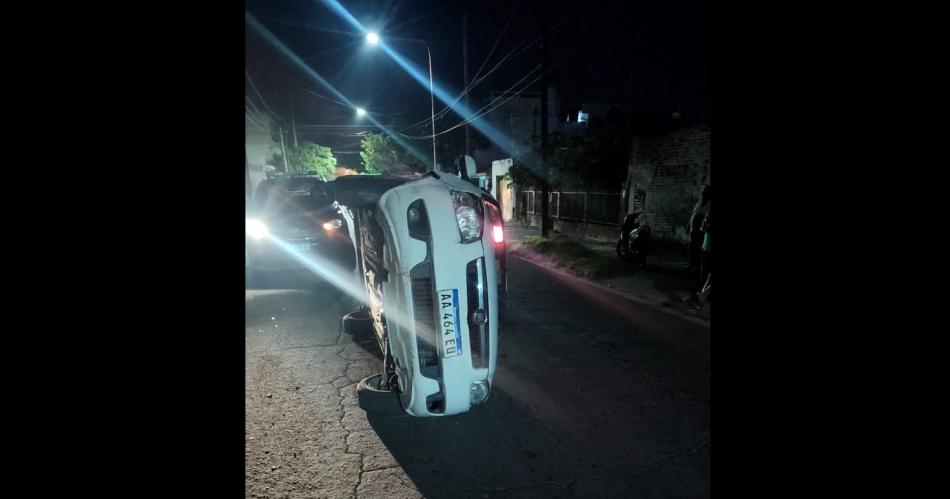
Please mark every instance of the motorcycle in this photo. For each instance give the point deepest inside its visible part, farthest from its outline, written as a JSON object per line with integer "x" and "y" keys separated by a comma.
{"x": 635, "y": 241}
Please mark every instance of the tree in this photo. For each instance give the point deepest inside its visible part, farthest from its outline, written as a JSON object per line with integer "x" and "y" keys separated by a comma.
{"x": 309, "y": 158}
{"x": 381, "y": 154}
{"x": 596, "y": 160}
{"x": 521, "y": 175}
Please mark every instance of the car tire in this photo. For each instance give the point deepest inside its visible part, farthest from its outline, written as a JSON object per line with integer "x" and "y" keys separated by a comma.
{"x": 375, "y": 400}
{"x": 358, "y": 322}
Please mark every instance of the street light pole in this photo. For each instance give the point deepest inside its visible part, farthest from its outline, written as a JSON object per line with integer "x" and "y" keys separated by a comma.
{"x": 465, "y": 67}
{"x": 373, "y": 39}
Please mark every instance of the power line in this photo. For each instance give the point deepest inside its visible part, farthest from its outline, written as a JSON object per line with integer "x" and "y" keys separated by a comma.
{"x": 327, "y": 98}
{"x": 441, "y": 114}
{"x": 302, "y": 24}
{"x": 336, "y": 126}
{"x": 500, "y": 36}
{"x": 483, "y": 111}
{"x": 257, "y": 115}
{"x": 249, "y": 101}
{"x": 445, "y": 110}
{"x": 258, "y": 93}
{"x": 424, "y": 14}
{"x": 251, "y": 120}
{"x": 328, "y": 51}
{"x": 532, "y": 82}
{"x": 473, "y": 116}
{"x": 471, "y": 86}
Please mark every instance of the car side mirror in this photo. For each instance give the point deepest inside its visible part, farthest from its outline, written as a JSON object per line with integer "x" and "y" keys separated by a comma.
{"x": 467, "y": 170}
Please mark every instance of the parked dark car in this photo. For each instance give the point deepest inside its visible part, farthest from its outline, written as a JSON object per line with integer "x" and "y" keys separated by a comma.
{"x": 295, "y": 228}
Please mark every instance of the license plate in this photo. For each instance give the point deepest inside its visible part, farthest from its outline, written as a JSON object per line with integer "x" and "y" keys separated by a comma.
{"x": 449, "y": 318}
{"x": 301, "y": 247}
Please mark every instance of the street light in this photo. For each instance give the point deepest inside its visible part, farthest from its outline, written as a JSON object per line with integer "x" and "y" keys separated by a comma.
{"x": 360, "y": 112}
{"x": 373, "y": 39}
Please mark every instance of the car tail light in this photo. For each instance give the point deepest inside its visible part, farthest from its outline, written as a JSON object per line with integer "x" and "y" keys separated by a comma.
{"x": 494, "y": 219}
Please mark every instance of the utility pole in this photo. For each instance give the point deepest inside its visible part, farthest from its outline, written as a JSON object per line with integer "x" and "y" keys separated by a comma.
{"x": 283, "y": 149}
{"x": 247, "y": 181}
{"x": 545, "y": 188}
{"x": 293, "y": 121}
{"x": 465, "y": 67}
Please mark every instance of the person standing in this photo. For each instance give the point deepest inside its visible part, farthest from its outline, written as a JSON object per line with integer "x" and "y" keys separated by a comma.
{"x": 695, "y": 229}
{"x": 703, "y": 294}
{"x": 706, "y": 257}
{"x": 699, "y": 298}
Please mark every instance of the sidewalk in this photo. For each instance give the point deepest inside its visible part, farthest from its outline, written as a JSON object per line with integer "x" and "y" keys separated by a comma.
{"x": 661, "y": 282}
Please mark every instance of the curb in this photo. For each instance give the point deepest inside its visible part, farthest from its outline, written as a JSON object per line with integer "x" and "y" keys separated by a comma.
{"x": 637, "y": 299}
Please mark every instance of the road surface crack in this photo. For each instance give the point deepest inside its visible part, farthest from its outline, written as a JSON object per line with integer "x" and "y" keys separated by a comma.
{"x": 347, "y": 433}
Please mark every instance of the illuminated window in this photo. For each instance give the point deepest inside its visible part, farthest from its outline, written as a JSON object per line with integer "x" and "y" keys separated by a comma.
{"x": 581, "y": 116}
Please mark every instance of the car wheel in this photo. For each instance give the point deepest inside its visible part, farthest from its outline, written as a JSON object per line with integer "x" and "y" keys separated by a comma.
{"x": 358, "y": 322}
{"x": 376, "y": 399}
{"x": 404, "y": 395}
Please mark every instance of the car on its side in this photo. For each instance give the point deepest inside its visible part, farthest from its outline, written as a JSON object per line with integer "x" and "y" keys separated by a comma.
{"x": 431, "y": 257}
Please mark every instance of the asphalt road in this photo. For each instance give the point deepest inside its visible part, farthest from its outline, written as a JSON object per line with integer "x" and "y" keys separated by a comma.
{"x": 594, "y": 396}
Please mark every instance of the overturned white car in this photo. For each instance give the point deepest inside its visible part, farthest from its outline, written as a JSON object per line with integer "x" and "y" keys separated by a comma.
{"x": 431, "y": 255}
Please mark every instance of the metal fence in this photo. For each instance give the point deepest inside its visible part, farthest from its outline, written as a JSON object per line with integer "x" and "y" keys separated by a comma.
{"x": 597, "y": 207}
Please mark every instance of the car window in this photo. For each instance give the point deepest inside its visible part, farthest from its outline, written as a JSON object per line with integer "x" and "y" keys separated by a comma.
{"x": 303, "y": 184}
{"x": 281, "y": 204}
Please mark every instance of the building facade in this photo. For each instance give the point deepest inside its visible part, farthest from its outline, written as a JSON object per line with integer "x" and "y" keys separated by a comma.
{"x": 665, "y": 178}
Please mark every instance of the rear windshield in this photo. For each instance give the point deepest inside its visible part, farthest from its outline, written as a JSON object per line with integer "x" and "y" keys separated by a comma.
{"x": 301, "y": 184}
{"x": 276, "y": 200}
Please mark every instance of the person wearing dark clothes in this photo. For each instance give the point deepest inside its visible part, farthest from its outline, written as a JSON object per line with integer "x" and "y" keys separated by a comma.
{"x": 699, "y": 298}
{"x": 706, "y": 258}
{"x": 695, "y": 229}
{"x": 630, "y": 222}
{"x": 703, "y": 294}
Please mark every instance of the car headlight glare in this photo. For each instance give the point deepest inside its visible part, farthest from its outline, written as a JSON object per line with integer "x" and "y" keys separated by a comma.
{"x": 255, "y": 228}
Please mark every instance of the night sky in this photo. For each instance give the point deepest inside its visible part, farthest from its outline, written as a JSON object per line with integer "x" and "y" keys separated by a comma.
{"x": 641, "y": 56}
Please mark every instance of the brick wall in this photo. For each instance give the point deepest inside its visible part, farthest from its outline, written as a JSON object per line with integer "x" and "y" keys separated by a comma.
{"x": 666, "y": 175}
